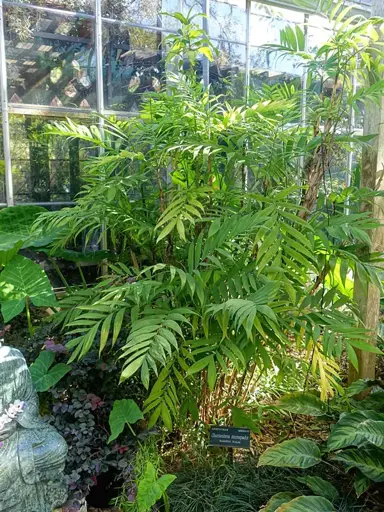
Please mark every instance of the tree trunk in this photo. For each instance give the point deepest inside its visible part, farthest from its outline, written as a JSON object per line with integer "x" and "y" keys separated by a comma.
{"x": 367, "y": 296}
{"x": 319, "y": 163}
{"x": 315, "y": 174}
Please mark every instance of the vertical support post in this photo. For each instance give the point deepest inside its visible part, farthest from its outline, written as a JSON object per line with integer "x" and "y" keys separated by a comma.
{"x": 367, "y": 295}
{"x": 304, "y": 77}
{"x": 206, "y": 10}
{"x": 5, "y": 114}
{"x": 247, "y": 80}
{"x": 100, "y": 100}
{"x": 99, "y": 60}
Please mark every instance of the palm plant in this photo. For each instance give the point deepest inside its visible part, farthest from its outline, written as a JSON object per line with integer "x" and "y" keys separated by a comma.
{"x": 219, "y": 267}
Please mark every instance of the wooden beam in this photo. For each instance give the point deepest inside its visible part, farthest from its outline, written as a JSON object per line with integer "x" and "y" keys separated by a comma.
{"x": 367, "y": 296}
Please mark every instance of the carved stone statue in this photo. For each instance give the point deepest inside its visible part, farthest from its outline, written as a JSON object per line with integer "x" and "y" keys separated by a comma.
{"x": 32, "y": 453}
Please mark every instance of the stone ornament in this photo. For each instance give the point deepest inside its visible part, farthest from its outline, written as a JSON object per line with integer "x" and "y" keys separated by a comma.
{"x": 32, "y": 453}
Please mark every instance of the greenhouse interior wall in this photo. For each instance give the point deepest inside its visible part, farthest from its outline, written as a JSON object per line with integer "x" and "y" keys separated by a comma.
{"x": 79, "y": 58}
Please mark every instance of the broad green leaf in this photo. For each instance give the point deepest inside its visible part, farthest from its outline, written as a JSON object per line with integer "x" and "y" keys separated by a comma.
{"x": 303, "y": 403}
{"x": 277, "y": 500}
{"x": 123, "y": 412}
{"x": 12, "y": 308}
{"x": 18, "y": 220}
{"x": 357, "y": 387}
{"x": 43, "y": 376}
{"x": 361, "y": 484}
{"x": 295, "y": 453}
{"x": 346, "y": 432}
{"x": 10, "y": 244}
{"x": 151, "y": 489}
{"x": 242, "y": 419}
{"x": 22, "y": 278}
{"x": 16, "y": 230}
{"x": 320, "y": 487}
{"x": 373, "y": 432}
{"x": 374, "y": 401}
{"x": 370, "y": 461}
{"x": 307, "y": 504}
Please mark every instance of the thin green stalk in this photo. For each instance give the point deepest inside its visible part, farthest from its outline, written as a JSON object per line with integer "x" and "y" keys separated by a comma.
{"x": 59, "y": 272}
{"x": 166, "y": 502}
{"x": 133, "y": 432}
{"x": 29, "y": 320}
{"x": 81, "y": 275}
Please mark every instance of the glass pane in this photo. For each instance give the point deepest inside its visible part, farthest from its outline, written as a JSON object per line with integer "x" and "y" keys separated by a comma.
{"x": 44, "y": 171}
{"x": 50, "y": 59}
{"x": 87, "y": 6}
{"x": 228, "y": 19}
{"x": 170, "y": 6}
{"x": 227, "y": 74}
{"x": 260, "y": 74}
{"x": 136, "y": 11}
{"x": 2, "y": 166}
{"x": 132, "y": 65}
{"x": 277, "y": 13}
{"x": 193, "y": 7}
{"x": 266, "y": 23}
{"x": 148, "y": 12}
{"x": 267, "y": 66}
{"x": 265, "y": 60}
{"x": 319, "y": 31}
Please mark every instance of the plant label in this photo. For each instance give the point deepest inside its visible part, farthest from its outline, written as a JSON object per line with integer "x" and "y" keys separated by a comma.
{"x": 230, "y": 437}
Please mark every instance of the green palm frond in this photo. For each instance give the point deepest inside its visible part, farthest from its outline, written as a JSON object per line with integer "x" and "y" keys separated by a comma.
{"x": 152, "y": 339}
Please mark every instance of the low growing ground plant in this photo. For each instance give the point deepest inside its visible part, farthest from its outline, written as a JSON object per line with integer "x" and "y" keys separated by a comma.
{"x": 145, "y": 482}
{"x": 356, "y": 442}
{"x": 242, "y": 486}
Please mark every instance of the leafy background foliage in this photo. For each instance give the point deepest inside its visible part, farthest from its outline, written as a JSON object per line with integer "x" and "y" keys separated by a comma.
{"x": 221, "y": 268}
{"x": 229, "y": 254}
